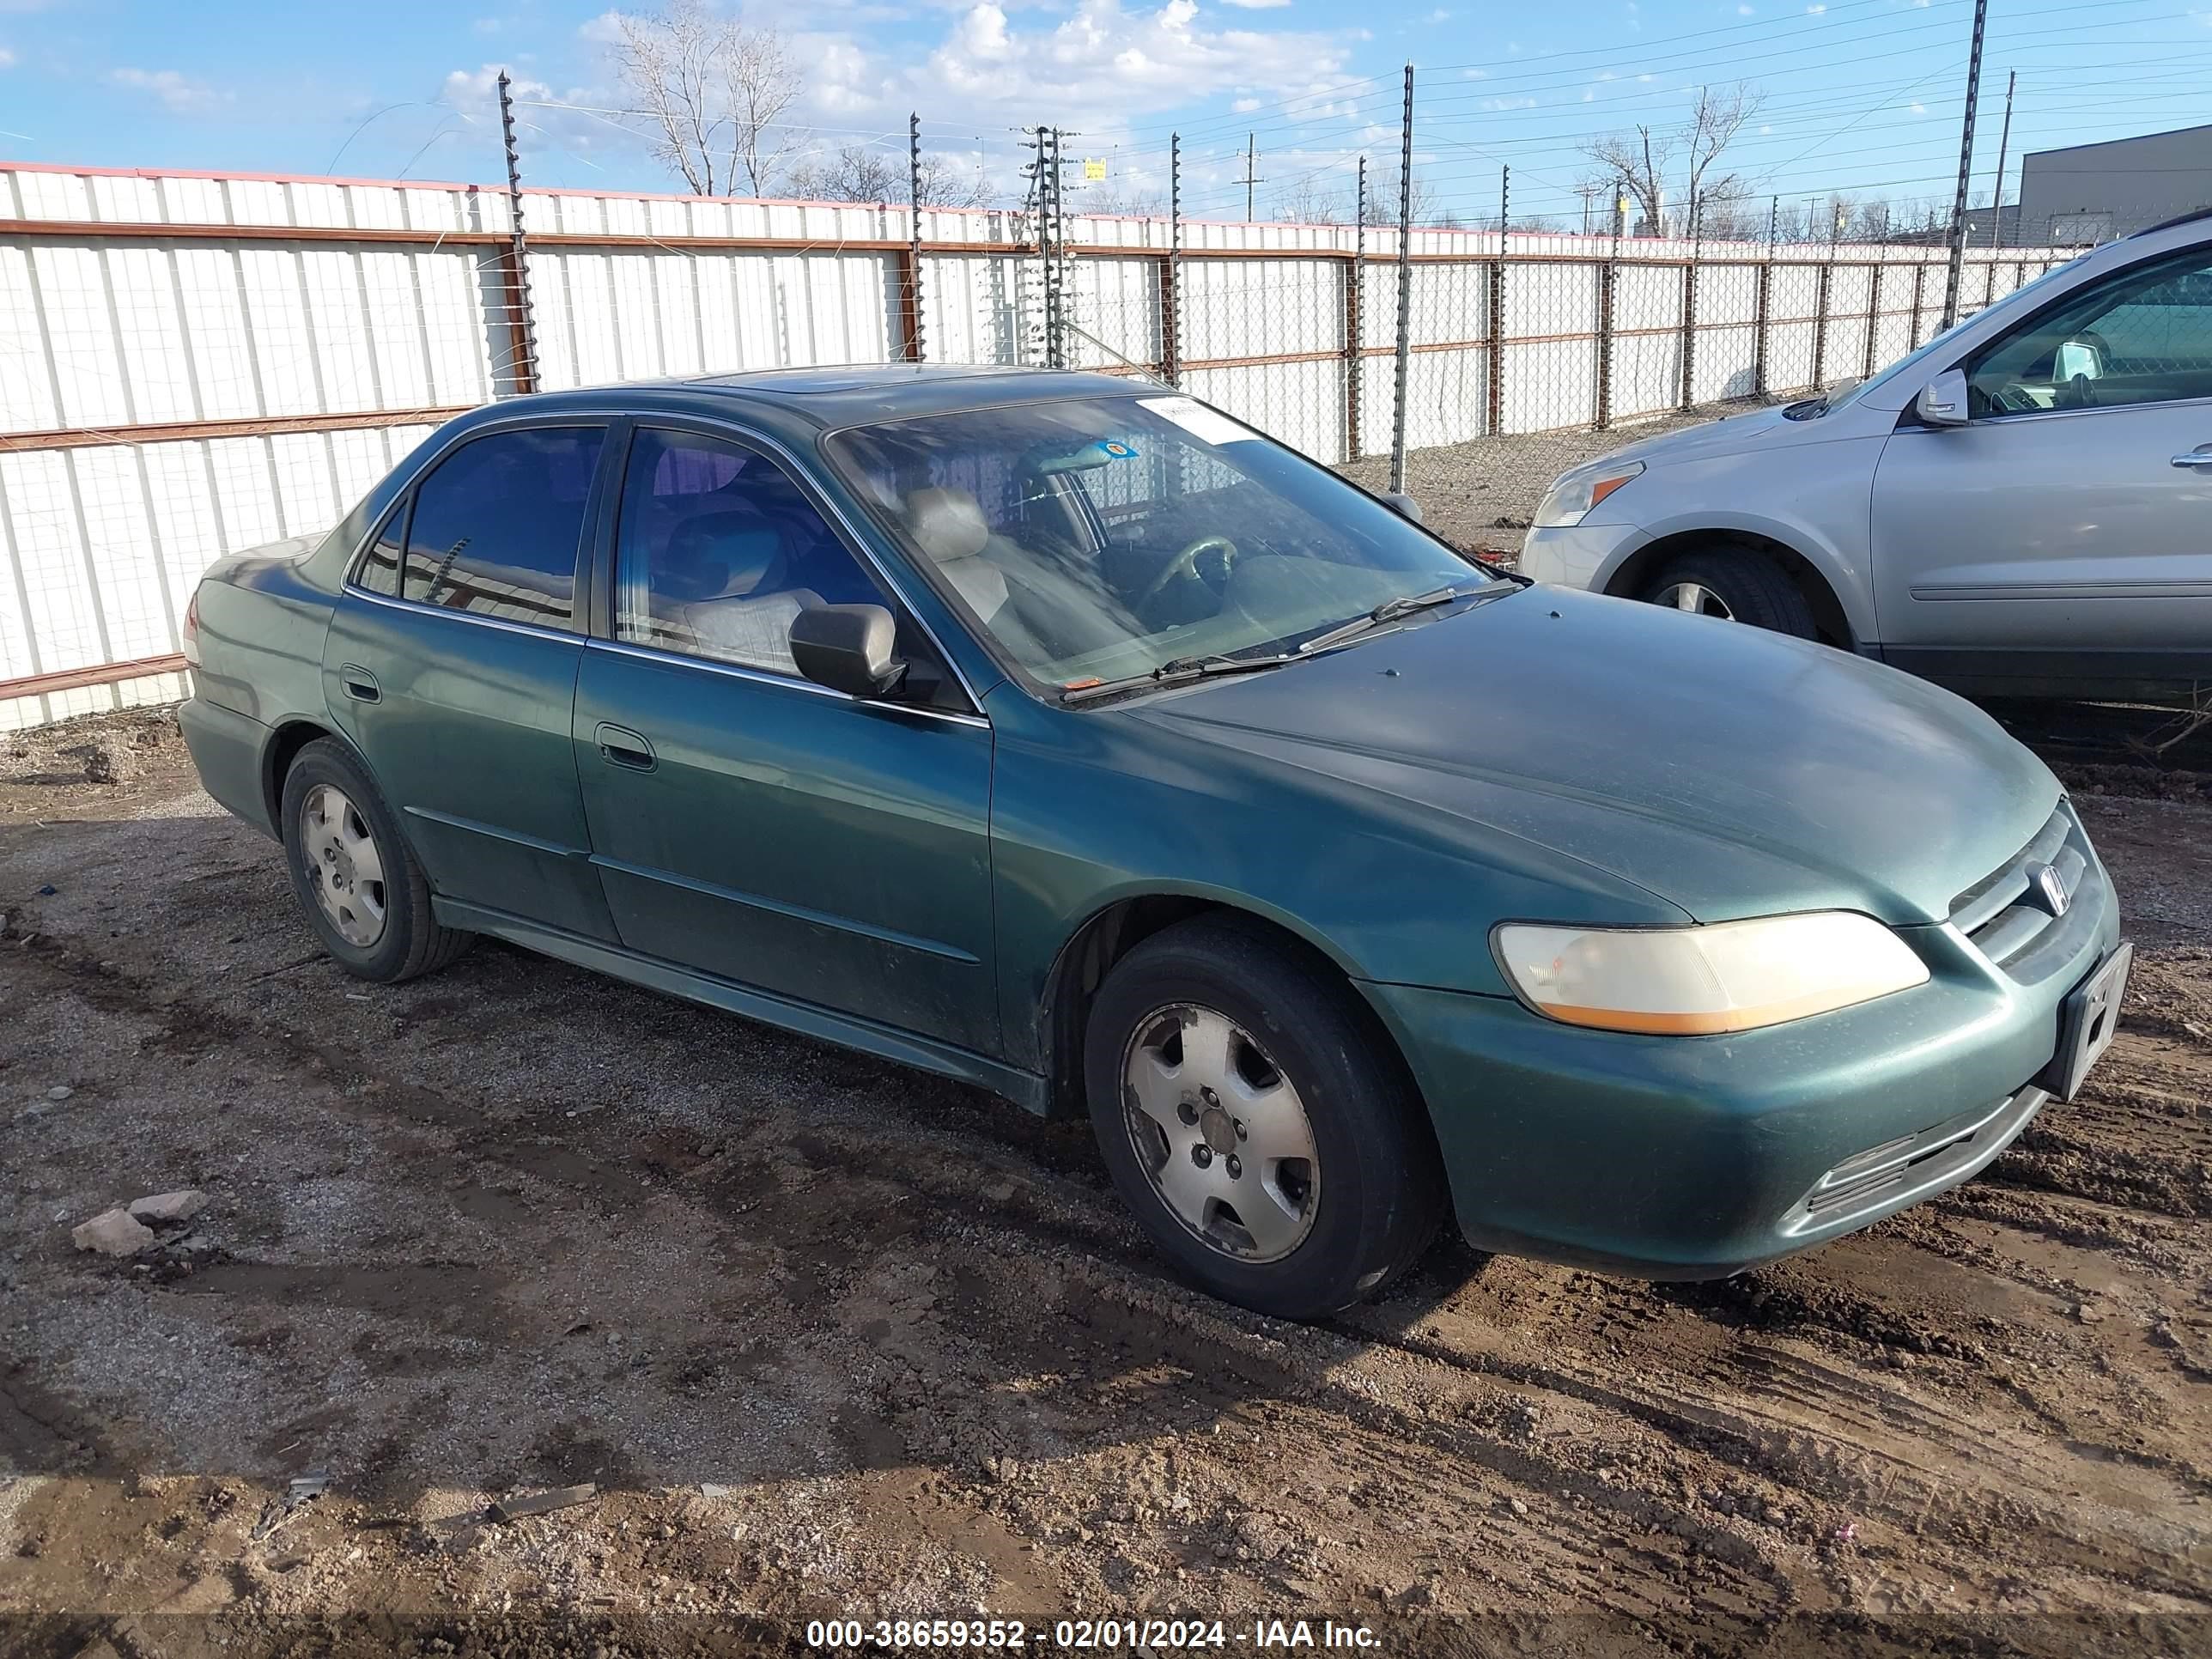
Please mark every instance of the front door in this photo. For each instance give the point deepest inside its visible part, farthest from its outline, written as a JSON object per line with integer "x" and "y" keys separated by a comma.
{"x": 746, "y": 822}
{"x": 450, "y": 662}
{"x": 2065, "y": 531}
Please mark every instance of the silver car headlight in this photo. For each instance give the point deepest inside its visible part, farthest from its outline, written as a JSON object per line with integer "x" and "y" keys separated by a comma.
{"x": 1569, "y": 500}
{"x": 1695, "y": 982}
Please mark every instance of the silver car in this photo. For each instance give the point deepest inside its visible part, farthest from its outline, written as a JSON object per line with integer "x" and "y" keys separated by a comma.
{"x": 2021, "y": 507}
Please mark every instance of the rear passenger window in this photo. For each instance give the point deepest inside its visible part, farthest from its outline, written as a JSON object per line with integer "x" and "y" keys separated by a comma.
{"x": 497, "y": 526}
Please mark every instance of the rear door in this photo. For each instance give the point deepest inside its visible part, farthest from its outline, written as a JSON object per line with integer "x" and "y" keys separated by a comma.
{"x": 452, "y": 661}
{"x": 2065, "y": 531}
{"x": 748, "y": 823}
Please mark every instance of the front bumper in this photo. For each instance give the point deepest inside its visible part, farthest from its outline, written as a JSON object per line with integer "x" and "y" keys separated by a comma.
{"x": 1697, "y": 1158}
{"x": 1578, "y": 556}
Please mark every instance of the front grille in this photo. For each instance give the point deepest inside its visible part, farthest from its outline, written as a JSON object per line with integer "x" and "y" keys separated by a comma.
{"x": 1913, "y": 1166}
{"x": 2009, "y": 916}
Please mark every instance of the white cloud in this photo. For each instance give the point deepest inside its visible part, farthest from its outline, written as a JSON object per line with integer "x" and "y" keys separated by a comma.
{"x": 1917, "y": 108}
{"x": 1244, "y": 107}
{"x": 7, "y": 57}
{"x": 180, "y": 93}
{"x": 1815, "y": 11}
{"x": 1256, "y": 5}
{"x": 1746, "y": 11}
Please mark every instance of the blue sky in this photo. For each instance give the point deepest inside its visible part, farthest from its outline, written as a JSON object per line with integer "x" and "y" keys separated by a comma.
{"x": 1859, "y": 95}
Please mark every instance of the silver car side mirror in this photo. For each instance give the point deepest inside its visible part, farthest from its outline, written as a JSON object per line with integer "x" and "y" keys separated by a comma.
{"x": 1405, "y": 506}
{"x": 1942, "y": 401}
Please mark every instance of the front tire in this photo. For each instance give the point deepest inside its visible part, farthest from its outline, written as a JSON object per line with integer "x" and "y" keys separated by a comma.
{"x": 1257, "y": 1122}
{"x": 354, "y": 874}
{"x": 1735, "y": 585}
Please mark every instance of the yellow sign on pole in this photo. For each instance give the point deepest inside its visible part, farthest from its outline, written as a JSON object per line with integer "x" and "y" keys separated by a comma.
{"x": 1093, "y": 169}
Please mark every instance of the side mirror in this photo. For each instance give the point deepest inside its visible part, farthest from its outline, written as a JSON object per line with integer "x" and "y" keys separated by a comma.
{"x": 2078, "y": 360}
{"x": 1407, "y": 506}
{"x": 847, "y": 647}
{"x": 1942, "y": 401}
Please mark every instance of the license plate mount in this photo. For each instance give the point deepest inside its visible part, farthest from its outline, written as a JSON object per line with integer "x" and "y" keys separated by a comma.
{"x": 2087, "y": 1021}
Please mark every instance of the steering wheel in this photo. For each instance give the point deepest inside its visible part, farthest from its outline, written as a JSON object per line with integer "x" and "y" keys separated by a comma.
{"x": 1186, "y": 563}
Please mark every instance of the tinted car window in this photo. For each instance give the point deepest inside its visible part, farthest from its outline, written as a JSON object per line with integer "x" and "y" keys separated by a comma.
{"x": 496, "y": 525}
{"x": 719, "y": 550}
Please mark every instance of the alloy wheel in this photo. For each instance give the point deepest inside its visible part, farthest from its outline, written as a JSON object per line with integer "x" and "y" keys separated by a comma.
{"x": 1221, "y": 1133}
{"x": 1697, "y": 600}
{"x": 344, "y": 867}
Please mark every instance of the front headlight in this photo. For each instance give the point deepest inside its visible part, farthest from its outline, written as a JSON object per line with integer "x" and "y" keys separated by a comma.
{"x": 1693, "y": 981}
{"x": 1574, "y": 495}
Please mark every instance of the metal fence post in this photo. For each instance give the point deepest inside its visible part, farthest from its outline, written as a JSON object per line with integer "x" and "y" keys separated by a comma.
{"x": 910, "y": 303}
{"x": 1873, "y": 304}
{"x": 1171, "y": 283}
{"x": 1763, "y": 301}
{"x": 1821, "y": 322}
{"x": 1609, "y": 273}
{"x": 1690, "y": 311}
{"x": 1919, "y": 299}
{"x": 1965, "y": 167}
{"x": 1405, "y": 289}
{"x": 522, "y": 325}
{"x": 1495, "y": 414}
{"x": 1355, "y": 324}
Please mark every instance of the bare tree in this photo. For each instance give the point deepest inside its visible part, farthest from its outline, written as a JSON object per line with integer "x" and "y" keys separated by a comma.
{"x": 860, "y": 172}
{"x": 1309, "y": 202}
{"x": 1382, "y": 200}
{"x": 1646, "y": 163}
{"x": 710, "y": 91}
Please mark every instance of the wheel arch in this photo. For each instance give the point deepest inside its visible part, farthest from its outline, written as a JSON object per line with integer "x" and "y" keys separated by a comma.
{"x": 1823, "y": 593}
{"x": 285, "y": 742}
{"x": 1117, "y": 927}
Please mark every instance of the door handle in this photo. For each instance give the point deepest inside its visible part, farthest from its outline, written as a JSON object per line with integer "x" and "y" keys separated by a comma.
{"x": 2194, "y": 458}
{"x": 360, "y": 684}
{"x": 620, "y": 746}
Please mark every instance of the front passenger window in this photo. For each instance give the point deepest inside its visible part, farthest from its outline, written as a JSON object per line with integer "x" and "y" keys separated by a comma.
{"x": 719, "y": 550}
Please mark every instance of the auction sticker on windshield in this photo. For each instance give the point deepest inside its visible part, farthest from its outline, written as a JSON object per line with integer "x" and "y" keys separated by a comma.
{"x": 1196, "y": 418}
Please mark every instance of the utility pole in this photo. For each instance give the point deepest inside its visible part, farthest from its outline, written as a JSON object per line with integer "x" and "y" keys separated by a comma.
{"x": 1251, "y": 160}
{"x": 2004, "y": 143}
{"x": 1966, "y": 166}
{"x": 1405, "y": 290}
{"x": 523, "y": 325}
{"x": 914, "y": 230}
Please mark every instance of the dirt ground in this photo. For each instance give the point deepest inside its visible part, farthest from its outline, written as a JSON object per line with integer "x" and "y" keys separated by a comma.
{"x": 832, "y": 1339}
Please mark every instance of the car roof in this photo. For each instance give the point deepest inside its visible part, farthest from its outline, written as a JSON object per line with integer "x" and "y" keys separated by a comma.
{"x": 850, "y": 394}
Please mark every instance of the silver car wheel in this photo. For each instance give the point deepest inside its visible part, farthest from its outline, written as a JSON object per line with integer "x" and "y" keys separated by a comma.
{"x": 1220, "y": 1133}
{"x": 344, "y": 867}
{"x": 1699, "y": 601}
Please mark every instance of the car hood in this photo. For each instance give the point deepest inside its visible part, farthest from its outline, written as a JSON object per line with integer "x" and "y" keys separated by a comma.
{"x": 1730, "y": 771}
{"x": 1721, "y": 437}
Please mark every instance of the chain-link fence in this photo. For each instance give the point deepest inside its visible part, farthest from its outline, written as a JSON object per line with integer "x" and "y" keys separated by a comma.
{"x": 191, "y": 366}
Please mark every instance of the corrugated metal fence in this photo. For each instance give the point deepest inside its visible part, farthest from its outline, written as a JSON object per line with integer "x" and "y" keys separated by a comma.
{"x": 196, "y": 363}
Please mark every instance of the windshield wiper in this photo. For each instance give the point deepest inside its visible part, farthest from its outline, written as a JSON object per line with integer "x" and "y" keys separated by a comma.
{"x": 1178, "y": 671}
{"x": 1388, "y": 611}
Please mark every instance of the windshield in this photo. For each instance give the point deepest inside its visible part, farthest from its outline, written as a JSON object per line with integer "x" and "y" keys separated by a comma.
{"x": 1096, "y": 540}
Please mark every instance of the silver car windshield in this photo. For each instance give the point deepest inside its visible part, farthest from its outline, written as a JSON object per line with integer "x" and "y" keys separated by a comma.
{"x": 1096, "y": 540}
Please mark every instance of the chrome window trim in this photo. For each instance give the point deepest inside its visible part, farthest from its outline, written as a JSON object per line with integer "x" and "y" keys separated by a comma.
{"x": 2014, "y": 417}
{"x": 762, "y": 676}
{"x": 565, "y": 635}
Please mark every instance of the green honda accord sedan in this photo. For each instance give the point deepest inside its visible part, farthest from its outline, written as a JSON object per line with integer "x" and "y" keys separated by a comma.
{"x": 1060, "y": 733}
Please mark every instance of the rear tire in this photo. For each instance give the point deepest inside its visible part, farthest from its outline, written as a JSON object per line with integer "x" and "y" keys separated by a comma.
{"x": 354, "y": 874}
{"x": 1739, "y": 584}
{"x": 1257, "y": 1122}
